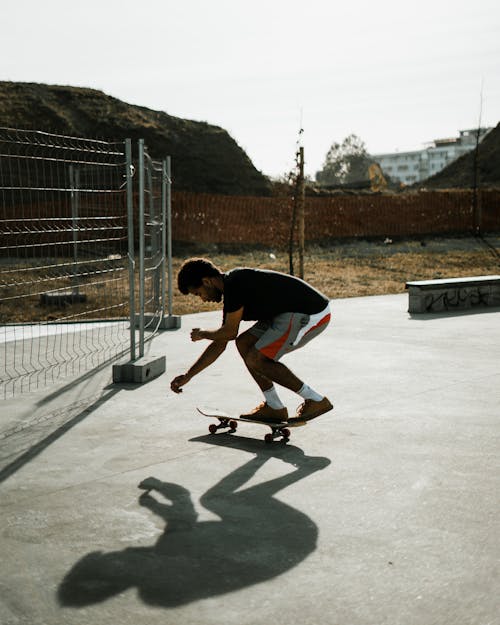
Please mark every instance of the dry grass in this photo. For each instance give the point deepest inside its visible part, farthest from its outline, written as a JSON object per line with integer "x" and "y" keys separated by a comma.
{"x": 342, "y": 270}
{"x": 362, "y": 268}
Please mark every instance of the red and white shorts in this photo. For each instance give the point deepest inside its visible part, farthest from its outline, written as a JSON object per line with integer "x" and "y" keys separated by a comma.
{"x": 288, "y": 331}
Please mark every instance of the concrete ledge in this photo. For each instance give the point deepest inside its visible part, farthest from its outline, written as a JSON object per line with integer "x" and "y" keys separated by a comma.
{"x": 139, "y": 371}
{"x": 453, "y": 294}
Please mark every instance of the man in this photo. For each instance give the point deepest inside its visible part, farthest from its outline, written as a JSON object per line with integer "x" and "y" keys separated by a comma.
{"x": 289, "y": 313}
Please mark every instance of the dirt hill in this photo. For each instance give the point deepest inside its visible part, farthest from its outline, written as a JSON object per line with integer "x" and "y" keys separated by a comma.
{"x": 460, "y": 173}
{"x": 204, "y": 158}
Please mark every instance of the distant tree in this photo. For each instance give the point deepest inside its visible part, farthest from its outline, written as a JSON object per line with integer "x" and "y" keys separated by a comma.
{"x": 345, "y": 163}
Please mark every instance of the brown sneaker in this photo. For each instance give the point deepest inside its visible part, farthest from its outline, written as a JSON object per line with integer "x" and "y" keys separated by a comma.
{"x": 263, "y": 412}
{"x": 311, "y": 409}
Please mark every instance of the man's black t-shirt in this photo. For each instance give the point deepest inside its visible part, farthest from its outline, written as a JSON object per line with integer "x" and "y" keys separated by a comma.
{"x": 264, "y": 294}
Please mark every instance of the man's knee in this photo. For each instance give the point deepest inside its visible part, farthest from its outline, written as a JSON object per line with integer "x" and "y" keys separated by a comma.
{"x": 244, "y": 344}
{"x": 255, "y": 359}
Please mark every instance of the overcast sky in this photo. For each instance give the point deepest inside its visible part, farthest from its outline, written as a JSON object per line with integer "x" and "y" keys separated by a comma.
{"x": 396, "y": 73}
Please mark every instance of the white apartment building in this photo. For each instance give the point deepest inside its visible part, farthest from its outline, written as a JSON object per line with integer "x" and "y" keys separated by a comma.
{"x": 411, "y": 167}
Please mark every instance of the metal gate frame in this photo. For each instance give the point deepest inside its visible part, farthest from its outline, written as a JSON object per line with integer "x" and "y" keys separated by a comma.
{"x": 140, "y": 368}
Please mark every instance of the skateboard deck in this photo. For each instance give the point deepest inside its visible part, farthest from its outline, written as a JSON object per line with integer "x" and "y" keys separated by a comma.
{"x": 279, "y": 429}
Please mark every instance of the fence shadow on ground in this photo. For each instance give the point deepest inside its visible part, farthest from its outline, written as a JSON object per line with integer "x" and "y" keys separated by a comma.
{"x": 35, "y": 448}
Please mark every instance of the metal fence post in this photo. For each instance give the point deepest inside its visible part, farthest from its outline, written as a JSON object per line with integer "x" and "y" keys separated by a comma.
{"x": 171, "y": 321}
{"x": 141, "y": 248}
{"x": 163, "y": 233}
{"x": 153, "y": 218}
{"x": 131, "y": 244}
{"x": 165, "y": 300}
{"x": 168, "y": 165}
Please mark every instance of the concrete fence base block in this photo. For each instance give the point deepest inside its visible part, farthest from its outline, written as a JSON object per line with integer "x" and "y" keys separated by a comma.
{"x": 170, "y": 322}
{"x": 140, "y": 370}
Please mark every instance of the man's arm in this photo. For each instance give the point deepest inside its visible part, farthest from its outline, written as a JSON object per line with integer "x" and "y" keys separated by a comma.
{"x": 227, "y": 332}
{"x": 210, "y": 355}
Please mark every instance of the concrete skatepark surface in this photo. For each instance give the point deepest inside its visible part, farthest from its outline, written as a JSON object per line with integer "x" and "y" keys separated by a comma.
{"x": 384, "y": 511}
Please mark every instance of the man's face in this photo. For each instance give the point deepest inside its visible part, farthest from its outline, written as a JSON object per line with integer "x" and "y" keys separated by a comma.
{"x": 207, "y": 291}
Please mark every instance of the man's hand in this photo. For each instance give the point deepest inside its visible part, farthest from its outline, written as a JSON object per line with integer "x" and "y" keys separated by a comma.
{"x": 179, "y": 381}
{"x": 227, "y": 332}
{"x": 197, "y": 334}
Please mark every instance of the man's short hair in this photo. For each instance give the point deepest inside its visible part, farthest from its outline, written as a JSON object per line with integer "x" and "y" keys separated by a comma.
{"x": 193, "y": 271}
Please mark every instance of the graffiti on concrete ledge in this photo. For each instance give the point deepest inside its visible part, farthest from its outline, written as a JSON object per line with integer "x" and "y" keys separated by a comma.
{"x": 457, "y": 298}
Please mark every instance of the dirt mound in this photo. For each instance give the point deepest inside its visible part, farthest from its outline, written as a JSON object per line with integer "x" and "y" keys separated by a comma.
{"x": 204, "y": 158}
{"x": 460, "y": 173}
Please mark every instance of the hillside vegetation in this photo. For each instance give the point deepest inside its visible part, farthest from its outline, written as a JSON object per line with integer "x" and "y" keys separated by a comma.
{"x": 204, "y": 157}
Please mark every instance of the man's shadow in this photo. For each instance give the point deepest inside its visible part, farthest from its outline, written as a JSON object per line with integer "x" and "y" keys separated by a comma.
{"x": 257, "y": 538}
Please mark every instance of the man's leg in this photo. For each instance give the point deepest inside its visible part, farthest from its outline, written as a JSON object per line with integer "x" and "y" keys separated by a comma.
{"x": 244, "y": 343}
{"x": 286, "y": 333}
{"x": 272, "y": 370}
{"x": 264, "y": 369}
{"x": 272, "y": 408}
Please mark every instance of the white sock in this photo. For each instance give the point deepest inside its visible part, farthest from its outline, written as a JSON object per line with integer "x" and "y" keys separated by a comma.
{"x": 272, "y": 399}
{"x": 308, "y": 393}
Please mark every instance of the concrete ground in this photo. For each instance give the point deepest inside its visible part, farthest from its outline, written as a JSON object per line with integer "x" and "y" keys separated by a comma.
{"x": 382, "y": 512}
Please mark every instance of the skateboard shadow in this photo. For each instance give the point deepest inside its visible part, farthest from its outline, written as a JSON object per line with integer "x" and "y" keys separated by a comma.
{"x": 256, "y": 538}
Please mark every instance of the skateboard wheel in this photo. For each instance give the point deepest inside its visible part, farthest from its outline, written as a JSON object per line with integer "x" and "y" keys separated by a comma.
{"x": 269, "y": 438}
{"x": 285, "y": 432}
{"x": 233, "y": 424}
{"x": 212, "y": 428}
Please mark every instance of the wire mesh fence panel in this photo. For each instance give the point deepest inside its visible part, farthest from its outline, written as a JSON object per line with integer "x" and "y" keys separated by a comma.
{"x": 63, "y": 257}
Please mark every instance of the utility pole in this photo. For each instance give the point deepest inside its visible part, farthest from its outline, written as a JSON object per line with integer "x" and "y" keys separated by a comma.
{"x": 298, "y": 207}
{"x": 300, "y": 200}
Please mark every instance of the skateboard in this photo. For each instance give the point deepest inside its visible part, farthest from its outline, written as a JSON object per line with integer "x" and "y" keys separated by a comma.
{"x": 280, "y": 429}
